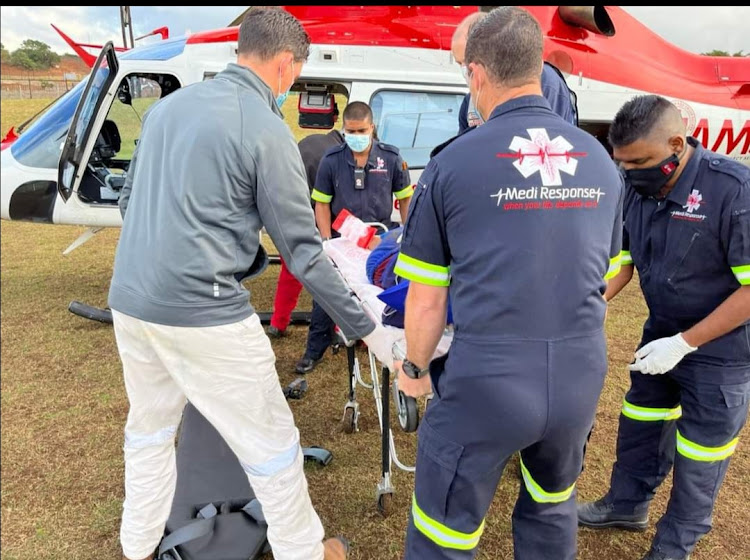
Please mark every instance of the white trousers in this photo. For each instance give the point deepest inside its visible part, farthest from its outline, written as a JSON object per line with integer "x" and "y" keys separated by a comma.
{"x": 228, "y": 373}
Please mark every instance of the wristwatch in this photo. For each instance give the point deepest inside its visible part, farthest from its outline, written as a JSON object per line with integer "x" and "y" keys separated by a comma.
{"x": 413, "y": 371}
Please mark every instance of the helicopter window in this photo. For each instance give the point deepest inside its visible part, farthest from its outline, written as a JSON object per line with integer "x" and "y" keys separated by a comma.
{"x": 110, "y": 157}
{"x": 416, "y": 122}
{"x": 40, "y": 144}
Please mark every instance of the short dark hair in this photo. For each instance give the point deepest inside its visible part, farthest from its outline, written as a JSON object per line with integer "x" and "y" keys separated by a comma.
{"x": 358, "y": 111}
{"x": 509, "y": 44}
{"x": 269, "y": 30}
{"x": 637, "y": 119}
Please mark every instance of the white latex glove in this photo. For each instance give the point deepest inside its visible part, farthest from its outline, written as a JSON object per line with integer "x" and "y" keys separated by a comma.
{"x": 380, "y": 342}
{"x": 661, "y": 355}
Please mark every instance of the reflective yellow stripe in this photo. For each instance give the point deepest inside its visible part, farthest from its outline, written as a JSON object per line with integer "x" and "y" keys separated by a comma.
{"x": 742, "y": 273}
{"x": 626, "y": 258}
{"x": 644, "y": 414}
{"x": 404, "y": 193}
{"x": 442, "y": 535}
{"x": 697, "y": 452}
{"x": 422, "y": 272}
{"x": 614, "y": 267}
{"x": 541, "y": 496}
{"x": 318, "y": 196}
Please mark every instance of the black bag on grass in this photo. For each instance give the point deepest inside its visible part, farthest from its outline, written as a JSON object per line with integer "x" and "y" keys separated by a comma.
{"x": 215, "y": 515}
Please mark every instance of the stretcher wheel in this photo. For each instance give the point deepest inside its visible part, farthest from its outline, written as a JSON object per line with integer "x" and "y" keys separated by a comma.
{"x": 385, "y": 504}
{"x": 407, "y": 409}
{"x": 348, "y": 422}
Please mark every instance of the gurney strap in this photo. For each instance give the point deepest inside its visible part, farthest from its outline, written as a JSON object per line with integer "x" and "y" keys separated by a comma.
{"x": 200, "y": 527}
{"x": 254, "y": 510}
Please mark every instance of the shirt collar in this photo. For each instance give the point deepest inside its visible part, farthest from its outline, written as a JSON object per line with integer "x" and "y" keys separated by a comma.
{"x": 682, "y": 188}
{"x": 246, "y": 78}
{"x": 523, "y": 102}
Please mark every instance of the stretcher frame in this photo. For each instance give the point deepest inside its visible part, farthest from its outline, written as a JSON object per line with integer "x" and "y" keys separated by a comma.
{"x": 406, "y": 407}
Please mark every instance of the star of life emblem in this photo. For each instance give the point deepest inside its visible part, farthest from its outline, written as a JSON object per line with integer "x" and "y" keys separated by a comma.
{"x": 694, "y": 201}
{"x": 540, "y": 154}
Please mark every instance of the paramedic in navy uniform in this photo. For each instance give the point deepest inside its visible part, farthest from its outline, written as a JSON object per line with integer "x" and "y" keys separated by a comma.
{"x": 522, "y": 219}
{"x": 362, "y": 175}
{"x": 554, "y": 89}
{"x": 687, "y": 231}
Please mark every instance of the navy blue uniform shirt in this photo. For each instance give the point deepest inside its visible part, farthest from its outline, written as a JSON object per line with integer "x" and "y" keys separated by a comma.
{"x": 555, "y": 91}
{"x": 386, "y": 175}
{"x": 692, "y": 250}
{"x": 522, "y": 218}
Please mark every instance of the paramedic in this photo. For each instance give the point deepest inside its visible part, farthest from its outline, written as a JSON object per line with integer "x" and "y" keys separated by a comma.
{"x": 362, "y": 176}
{"x": 526, "y": 242}
{"x": 193, "y": 206}
{"x": 687, "y": 231}
{"x": 555, "y": 90}
{"x": 288, "y": 288}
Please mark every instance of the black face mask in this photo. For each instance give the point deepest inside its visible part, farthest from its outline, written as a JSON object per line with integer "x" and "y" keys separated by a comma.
{"x": 650, "y": 180}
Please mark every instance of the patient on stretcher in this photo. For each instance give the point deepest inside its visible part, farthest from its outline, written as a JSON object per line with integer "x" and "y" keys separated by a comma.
{"x": 380, "y": 264}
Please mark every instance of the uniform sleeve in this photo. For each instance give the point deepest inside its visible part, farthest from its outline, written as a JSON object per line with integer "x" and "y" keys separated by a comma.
{"x": 738, "y": 237}
{"x": 463, "y": 119}
{"x": 323, "y": 190}
{"x": 424, "y": 255}
{"x": 615, "y": 248}
{"x": 401, "y": 180}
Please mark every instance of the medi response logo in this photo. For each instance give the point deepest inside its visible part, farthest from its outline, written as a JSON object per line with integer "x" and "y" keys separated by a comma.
{"x": 548, "y": 157}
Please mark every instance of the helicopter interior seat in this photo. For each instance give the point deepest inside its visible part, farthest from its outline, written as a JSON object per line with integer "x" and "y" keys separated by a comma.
{"x": 100, "y": 184}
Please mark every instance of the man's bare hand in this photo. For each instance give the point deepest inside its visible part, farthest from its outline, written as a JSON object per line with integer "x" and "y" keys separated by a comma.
{"x": 412, "y": 387}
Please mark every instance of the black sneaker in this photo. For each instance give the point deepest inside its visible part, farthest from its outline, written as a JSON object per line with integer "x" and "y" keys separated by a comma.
{"x": 273, "y": 332}
{"x": 306, "y": 365}
{"x": 600, "y": 514}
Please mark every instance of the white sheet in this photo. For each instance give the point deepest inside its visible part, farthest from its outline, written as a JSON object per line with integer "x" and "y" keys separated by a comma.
{"x": 351, "y": 262}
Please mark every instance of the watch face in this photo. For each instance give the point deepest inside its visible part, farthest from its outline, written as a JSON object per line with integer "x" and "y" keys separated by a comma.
{"x": 411, "y": 369}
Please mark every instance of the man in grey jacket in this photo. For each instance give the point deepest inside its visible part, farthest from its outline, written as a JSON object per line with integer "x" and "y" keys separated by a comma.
{"x": 215, "y": 163}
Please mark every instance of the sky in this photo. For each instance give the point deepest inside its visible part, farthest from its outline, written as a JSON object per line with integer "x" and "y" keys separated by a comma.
{"x": 695, "y": 29}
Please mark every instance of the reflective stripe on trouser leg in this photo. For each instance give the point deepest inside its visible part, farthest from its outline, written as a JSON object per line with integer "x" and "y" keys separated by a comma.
{"x": 228, "y": 374}
{"x": 544, "y": 520}
{"x": 645, "y": 441}
{"x": 446, "y": 520}
{"x": 707, "y": 436}
{"x": 442, "y": 535}
{"x": 156, "y": 404}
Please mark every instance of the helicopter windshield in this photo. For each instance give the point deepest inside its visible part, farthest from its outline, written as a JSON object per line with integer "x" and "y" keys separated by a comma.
{"x": 40, "y": 144}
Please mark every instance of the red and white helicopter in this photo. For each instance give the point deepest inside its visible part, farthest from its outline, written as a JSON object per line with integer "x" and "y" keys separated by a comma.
{"x": 69, "y": 165}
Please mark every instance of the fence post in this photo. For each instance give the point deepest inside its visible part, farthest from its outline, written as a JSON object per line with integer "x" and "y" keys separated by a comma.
{"x": 29, "y": 87}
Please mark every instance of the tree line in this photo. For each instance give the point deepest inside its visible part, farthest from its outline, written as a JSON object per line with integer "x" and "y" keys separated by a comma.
{"x": 37, "y": 55}
{"x": 31, "y": 55}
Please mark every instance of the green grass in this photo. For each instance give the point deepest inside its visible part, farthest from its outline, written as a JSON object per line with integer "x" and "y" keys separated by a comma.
{"x": 64, "y": 408}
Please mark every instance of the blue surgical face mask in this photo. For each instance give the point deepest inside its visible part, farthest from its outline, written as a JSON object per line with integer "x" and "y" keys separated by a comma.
{"x": 473, "y": 114}
{"x": 473, "y": 110}
{"x": 282, "y": 96}
{"x": 357, "y": 142}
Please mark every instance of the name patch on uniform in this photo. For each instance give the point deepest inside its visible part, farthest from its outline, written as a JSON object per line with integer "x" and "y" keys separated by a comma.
{"x": 541, "y": 198}
{"x": 379, "y": 166}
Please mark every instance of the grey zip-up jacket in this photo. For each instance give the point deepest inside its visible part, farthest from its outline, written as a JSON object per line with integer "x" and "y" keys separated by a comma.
{"x": 215, "y": 163}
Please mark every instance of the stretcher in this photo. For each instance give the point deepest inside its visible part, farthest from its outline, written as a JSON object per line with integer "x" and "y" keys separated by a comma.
{"x": 384, "y": 344}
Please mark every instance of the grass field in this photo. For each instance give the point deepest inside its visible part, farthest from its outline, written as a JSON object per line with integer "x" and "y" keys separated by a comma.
{"x": 64, "y": 408}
